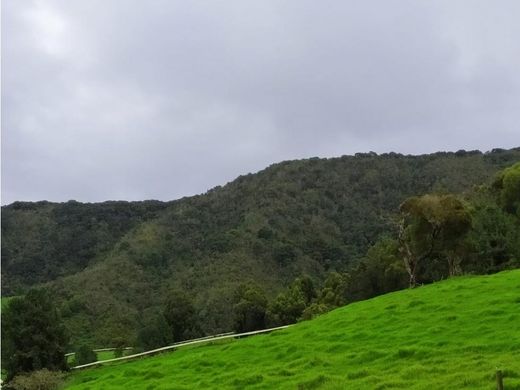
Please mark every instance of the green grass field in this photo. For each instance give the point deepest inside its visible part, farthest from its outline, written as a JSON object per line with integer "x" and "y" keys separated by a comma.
{"x": 450, "y": 335}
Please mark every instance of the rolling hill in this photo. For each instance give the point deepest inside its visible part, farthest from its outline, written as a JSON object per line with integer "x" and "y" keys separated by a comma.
{"x": 449, "y": 335}
{"x": 109, "y": 265}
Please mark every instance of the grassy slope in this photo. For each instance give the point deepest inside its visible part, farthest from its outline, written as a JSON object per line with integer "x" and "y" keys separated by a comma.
{"x": 452, "y": 334}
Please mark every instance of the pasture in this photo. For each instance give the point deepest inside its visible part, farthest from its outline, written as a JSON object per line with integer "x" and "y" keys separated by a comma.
{"x": 451, "y": 334}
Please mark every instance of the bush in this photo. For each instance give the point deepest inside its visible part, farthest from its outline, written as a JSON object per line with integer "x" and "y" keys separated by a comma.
{"x": 250, "y": 310}
{"x": 37, "y": 380}
{"x": 155, "y": 333}
{"x": 84, "y": 355}
{"x": 315, "y": 310}
{"x": 119, "y": 345}
{"x": 180, "y": 315}
{"x": 289, "y": 305}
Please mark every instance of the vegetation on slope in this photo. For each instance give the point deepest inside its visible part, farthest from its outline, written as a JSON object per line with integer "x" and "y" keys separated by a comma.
{"x": 42, "y": 241}
{"x": 452, "y": 334}
{"x": 111, "y": 266}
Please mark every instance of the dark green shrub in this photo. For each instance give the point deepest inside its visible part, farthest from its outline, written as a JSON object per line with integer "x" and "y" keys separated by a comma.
{"x": 33, "y": 336}
{"x": 84, "y": 355}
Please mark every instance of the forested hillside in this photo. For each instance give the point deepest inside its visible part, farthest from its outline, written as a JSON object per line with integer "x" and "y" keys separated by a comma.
{"x": 42, "y": 241}
{"x": 110, "y": 265}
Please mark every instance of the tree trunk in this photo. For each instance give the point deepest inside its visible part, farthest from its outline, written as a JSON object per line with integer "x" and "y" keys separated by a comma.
{"x": 413, "y": 281}
{"x": 410, "y": 261}
{"x": 453, "y": 266}
{"x": 412, "y": 273}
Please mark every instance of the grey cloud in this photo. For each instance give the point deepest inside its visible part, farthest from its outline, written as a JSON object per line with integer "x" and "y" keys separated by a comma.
{"x": 161, "y": 99}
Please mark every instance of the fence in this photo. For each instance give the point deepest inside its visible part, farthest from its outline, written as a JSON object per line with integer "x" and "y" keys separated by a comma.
{"x": 206, "y": 339}
{"x": 101, "y": 350}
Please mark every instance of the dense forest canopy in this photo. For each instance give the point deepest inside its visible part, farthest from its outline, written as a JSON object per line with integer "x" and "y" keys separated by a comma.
{"x": 112, "y": 266}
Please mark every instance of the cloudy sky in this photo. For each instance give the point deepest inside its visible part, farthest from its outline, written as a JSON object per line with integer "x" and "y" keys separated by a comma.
{"x": 123, "y": 99}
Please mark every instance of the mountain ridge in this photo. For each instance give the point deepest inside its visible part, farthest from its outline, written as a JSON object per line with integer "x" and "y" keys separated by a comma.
{"x": 110, "y": 263}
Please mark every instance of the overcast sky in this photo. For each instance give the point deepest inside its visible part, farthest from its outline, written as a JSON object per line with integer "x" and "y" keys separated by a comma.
{"x": 158, "y": 99}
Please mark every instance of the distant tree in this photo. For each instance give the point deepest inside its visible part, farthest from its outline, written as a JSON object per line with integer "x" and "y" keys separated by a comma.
{"x": 290, "y": 304}
{"x": 508, "y": 185}
{"x": 333, "y": 294}
{"x": 179, "y": 313}
{"x": 284, "y": 254}
{"x": 249, "y": 312}
{"x": 286, "y": 308}
{"x": 455, "y": 223}
{"x": 306, "y": 286}
{"x": 429, "y": 223}
{"x": 33, "y": 336}
{"x": 334, "y": 291}
{"x": 314, "y": 310}
{"x": 157, "y": 333}
{"x": 416, "y": 237}
{"x": 119, "y": 344}
{"x": 265, "y": 233}
{"x": 84, "y": 355}
{"x": 379, "y": 272}
{"x": 494, "y": 239}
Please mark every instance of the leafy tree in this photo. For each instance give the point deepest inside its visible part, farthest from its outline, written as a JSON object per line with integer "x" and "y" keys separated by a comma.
{"x": 494, "y": 239}
{"x": 455, "y": 223}
{"x": 33, "y": 336}
{"x": 416, "y": 235}
{"x": 334, "y": 291}
{"x": 333, "y": 294}
{"x": 179, "y": 313}
{"x": 157, "y": 333}
{"x": 289, "y": 305}
{"x": 84, "y": 355}
{"x": 429, "y": 223}
{"x": 249, "y": 312}
{"x": 314, "y": 310}
{"x": 284, "y": 254}
{"x": 508, "y": 185}
{"x": 286, "y": 308}
{"x": 119, "y": 345}
{"x": 305, "y": 285}
{"x": 381, "y": 271}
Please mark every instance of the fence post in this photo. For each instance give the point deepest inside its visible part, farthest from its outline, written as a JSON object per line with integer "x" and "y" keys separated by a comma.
{"x": 500, "y": 382}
